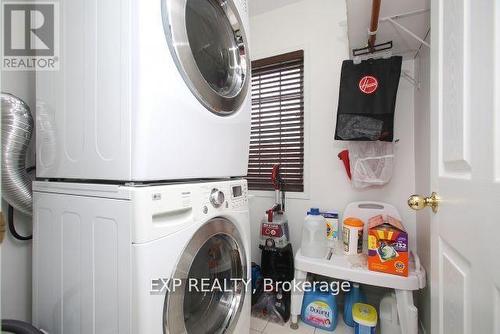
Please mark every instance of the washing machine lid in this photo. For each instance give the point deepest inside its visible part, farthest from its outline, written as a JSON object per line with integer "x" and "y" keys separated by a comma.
{"x": 215, "y": 256}
{"x": 209, "y": 45}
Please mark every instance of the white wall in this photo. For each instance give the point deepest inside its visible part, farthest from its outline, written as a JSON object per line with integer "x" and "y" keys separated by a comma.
{"x": 16, "y": 255}
{"x": 314, "y": 26}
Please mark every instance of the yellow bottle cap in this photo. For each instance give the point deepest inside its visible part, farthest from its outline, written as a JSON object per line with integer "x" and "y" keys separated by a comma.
{"x": 364, "y": 314}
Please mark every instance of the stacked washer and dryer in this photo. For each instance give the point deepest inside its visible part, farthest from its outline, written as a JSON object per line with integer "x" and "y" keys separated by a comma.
{"x": 142, "y": 140}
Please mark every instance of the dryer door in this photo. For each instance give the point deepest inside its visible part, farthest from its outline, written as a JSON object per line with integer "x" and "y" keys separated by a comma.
{"x": 208, "y": 43}
{"x": 212, "y": 270}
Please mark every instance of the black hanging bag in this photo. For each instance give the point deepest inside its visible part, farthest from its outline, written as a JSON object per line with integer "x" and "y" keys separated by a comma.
{"x": 367, "y": 99}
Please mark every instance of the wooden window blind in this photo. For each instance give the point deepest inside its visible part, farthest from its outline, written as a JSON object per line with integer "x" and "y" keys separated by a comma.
{"x": 277, "y": 134}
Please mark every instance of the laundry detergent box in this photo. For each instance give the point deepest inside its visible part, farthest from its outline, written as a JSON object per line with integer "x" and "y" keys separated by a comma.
{"x": 332, "y": 225}
{"x": 387, "y": 246}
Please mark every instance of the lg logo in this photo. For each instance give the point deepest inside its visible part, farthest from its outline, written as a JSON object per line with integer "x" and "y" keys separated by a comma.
{"x": 30, "y": 35}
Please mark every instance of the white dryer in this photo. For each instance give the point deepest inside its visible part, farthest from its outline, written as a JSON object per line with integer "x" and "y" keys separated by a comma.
{"x": 118, "y": 259}
{"x": 147, "y": 90}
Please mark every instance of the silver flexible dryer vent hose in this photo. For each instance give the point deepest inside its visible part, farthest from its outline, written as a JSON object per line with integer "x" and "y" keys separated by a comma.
{"x": 17, "y": 129}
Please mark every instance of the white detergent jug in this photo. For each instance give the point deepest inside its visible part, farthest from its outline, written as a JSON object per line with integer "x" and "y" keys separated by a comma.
{"x": 389, "y": 320}
{"x": 314, "y": 241}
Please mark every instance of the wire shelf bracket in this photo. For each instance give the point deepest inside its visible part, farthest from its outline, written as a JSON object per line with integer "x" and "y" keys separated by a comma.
{"x": 393, "y": 20}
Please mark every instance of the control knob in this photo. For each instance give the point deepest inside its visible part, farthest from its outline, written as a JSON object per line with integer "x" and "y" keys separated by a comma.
{"x": 217, "y": 198}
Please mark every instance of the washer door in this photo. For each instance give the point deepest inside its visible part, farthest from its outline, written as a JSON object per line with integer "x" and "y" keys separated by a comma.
{"x": 214, "y": 257}
{"x": 208, "y": 43}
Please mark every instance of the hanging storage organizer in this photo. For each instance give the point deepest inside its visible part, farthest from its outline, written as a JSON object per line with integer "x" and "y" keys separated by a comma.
{"x": 365, "y": 118}
{"x": 367, "y": 99}
{"x": 371, "y": 163}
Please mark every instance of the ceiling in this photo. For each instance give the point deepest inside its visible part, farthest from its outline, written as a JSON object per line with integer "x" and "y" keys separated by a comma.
{"x": 358, "y": 21}
{"x": 261, "y": 6}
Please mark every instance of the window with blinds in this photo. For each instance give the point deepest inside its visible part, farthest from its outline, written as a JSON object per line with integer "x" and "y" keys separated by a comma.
{"x": 277, "y": 135}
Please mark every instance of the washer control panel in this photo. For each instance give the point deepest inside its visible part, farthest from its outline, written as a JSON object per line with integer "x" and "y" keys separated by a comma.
{"x": 239, "y": 195}
{"x": 222, "y": 196}
{"x": 217, "y": 198}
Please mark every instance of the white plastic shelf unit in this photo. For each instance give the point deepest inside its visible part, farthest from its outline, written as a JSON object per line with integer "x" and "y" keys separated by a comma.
{"x": 342, "y": 267}
{"x": 339, "y": 267}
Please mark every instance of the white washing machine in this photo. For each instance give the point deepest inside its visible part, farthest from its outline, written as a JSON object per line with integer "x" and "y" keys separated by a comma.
{"x": 118, "y": 259}
{"x": 147, "y": 90}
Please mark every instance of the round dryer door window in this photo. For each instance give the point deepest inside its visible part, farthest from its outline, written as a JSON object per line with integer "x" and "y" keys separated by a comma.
{"x": 212, "y": 271}
{"x": 208, "y": 42}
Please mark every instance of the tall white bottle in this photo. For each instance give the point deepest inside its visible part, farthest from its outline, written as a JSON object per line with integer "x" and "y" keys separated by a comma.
{"x": 314, "y": 241}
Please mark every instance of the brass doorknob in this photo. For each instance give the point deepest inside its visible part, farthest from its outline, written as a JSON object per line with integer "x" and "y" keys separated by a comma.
{"x": 417, "y": 202}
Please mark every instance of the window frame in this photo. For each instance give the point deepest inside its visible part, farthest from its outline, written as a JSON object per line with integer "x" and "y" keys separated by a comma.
{"x": 305, "y": 194}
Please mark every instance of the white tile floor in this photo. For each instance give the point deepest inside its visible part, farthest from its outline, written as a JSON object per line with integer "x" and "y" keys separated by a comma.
{"x": 266, "y": 327}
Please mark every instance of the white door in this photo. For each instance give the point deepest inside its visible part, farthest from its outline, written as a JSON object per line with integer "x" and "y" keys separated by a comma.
{"x": 465, "y": 168}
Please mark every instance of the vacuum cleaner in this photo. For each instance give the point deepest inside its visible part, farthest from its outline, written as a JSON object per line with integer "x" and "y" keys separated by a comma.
{"x": 276, "y": 258}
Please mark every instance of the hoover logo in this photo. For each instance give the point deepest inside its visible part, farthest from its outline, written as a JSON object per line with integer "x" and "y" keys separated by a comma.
{"x": 368, "y": 84}
{"x": 30, "y": 38}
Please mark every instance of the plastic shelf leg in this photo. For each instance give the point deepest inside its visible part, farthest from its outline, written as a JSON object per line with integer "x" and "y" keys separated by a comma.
{"x": 407, "y": 312}
{"x": 297, "y": 296}
{"x": 294, "y": 323}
